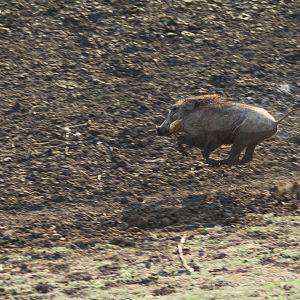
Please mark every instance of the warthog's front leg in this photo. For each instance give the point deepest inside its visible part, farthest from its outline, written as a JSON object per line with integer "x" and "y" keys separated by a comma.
{"x": 207, "y": 151}
{"x": 180, "y": 141}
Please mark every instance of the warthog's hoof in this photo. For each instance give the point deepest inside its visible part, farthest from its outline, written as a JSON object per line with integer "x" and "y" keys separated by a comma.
{"x": 245, "y": 161}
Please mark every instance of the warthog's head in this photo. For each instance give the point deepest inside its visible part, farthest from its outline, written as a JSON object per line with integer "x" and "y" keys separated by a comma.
{"x": 174, "y": 122}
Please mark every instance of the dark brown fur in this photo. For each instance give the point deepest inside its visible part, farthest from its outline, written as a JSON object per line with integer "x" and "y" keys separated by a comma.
{"x": 204, "y": 100}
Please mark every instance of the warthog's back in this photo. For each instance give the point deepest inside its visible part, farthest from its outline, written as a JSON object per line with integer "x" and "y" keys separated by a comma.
{"x": 227, "y": 117}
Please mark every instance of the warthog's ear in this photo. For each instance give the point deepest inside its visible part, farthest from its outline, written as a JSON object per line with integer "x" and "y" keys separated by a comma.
{"x": 191, "y": 105}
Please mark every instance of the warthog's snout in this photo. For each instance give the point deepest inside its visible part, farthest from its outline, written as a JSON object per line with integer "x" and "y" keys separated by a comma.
{"x": 166, "y": 129}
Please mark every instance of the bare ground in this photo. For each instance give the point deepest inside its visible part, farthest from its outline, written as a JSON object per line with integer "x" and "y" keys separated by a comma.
{"x": 92, "y": 203}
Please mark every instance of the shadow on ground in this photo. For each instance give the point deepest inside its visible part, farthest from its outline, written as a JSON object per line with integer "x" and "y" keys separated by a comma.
{"x": 196, "y": 211}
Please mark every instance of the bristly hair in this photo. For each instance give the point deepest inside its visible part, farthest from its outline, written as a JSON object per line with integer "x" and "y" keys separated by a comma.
{"x": 203, "y": 100}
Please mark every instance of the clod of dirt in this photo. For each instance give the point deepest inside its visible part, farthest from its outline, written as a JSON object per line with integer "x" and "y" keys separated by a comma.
{"x": 43, "y": 288}
{"x": 16, "y": 107}
{"x": 109, "y": 268}
{"x": 57, "y": 198}
{"x": 288, "y": 188}
{"x": 72, "y": 291}
{"x": 216, "y": 270}
{"x": 295, "y": 139}
{"x": 166, "y": 290}
{"x": 220, "y": 255}
{"x": 287, "y": 287}
{"x": 24, "y": 268}
{"x": 54, "y": 256}
{"x": 122, "y": 242}
{"x": 2, "y": 292}
{"x": 83, "y": 244}
{"x": 80, "y": 276}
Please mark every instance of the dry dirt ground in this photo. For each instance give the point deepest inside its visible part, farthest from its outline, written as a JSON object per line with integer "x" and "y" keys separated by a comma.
{"x": 92, "y": 203}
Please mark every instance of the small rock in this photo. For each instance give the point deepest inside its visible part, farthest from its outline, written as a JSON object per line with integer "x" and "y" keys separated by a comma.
{"x": 291, "y": 88}
{"x": 187, "y": 34}
{"x": 171, "y": 34}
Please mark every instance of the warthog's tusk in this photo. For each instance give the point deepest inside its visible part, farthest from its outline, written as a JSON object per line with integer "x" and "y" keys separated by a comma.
{"x": 175, "y": 126}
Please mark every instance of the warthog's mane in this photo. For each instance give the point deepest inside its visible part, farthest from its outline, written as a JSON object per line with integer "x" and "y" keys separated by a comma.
{"x": 203, "y": 100}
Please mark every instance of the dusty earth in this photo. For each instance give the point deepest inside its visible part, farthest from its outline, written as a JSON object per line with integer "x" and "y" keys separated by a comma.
{"x": 93, "y": 204}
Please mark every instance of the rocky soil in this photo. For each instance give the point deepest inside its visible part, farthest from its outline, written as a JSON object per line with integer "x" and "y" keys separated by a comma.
{"x": 83, "y": 85}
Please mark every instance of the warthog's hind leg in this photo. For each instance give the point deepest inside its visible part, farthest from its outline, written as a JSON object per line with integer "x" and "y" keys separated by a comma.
{"x": 234, "y": 155}
{"x": 248, "y": 154}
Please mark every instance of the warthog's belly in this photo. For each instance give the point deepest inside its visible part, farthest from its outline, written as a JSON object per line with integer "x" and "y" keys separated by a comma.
{"x": 204, "y": 138}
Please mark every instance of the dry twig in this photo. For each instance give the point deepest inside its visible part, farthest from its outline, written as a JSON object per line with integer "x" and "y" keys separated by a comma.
{"x": 182, "y": 259}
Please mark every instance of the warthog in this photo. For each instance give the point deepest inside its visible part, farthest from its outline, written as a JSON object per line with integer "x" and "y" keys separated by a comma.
{"x": 209, "y": 121}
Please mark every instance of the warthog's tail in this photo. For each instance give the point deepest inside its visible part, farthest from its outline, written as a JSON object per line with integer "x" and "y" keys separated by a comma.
{"x": 294, "y": 108}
